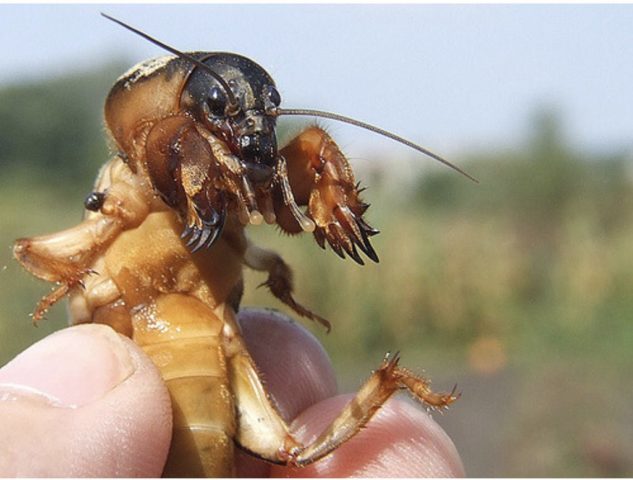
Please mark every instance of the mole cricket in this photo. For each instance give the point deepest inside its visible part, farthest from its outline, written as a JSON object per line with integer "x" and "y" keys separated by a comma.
{"x": 160, "y": 251}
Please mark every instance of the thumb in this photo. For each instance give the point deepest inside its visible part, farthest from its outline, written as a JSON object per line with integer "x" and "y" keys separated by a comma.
{"x": 84, "y": 401}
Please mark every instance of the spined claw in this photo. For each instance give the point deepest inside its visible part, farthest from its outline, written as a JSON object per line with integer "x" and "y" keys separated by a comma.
{"x": 208, "y": 238}
{"x": 359, "y": 232}
{"x": 212, "y": 224}
{"x": 186, "y": 232}
{"x": 353, "y": 253}
{"x": 202, "y": 239}
{"x": 210, "y": 217}
{"x": 337, "y": 239}
{"x": 366, "y": 245}
{"x": 370, "y": 231}
{"x": 347, "y": 233}
{"x": 195, "y": 235}
{"x": 319, "y": 237}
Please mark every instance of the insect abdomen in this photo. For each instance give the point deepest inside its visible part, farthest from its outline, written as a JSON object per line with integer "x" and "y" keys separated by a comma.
{"x": 183, "y": 338}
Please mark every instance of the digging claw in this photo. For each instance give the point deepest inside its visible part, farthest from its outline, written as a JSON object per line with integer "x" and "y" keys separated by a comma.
{"x": 366, "y": 247}
{"x": 186, "y": 232}
{"x": 202, "y": 239}
{"x": 348, "y": 233}
{"x": 205, "y": 237}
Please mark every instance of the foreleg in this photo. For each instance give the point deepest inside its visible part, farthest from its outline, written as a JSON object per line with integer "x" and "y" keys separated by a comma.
{"x": 321, "y": 178}
{"x": 185, "y": 172}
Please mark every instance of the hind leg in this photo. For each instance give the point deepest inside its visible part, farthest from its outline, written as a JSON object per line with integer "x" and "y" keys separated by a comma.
{"x": 264, "y": 433}
{"x": 380, "y": 386}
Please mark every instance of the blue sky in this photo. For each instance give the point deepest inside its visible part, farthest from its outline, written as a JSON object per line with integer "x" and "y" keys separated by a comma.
{"x": 452, "y": 77}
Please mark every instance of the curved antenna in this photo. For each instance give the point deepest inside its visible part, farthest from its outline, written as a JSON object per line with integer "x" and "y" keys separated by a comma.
{"x": 372, "y": 128}
{"x": 232, "y": 100}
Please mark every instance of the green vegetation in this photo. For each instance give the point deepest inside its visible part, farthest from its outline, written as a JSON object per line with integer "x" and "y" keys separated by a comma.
{"x": 520, "y": 287}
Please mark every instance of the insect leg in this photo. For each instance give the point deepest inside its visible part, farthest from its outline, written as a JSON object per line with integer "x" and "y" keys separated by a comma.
{"x": 321, "y": 178}
{"x": 265, "y": 434}
{"x": 383, "y": 383}
{"x": 65, "y": 257}
{"x": 185, "y": 171}
{"x": 279, "y": 280}
{"x": 261, "y": 430}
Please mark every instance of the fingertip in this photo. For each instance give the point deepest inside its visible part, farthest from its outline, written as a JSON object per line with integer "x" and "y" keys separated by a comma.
{"x": 71, "y": 367}
{"x": 72, "y": 410}
{"x": 131, "y": 425}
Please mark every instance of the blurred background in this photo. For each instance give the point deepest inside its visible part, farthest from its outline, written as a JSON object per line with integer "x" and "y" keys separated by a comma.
{"x": 519, "y": 289}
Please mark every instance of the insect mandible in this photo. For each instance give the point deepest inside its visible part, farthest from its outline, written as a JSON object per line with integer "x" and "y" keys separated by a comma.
{"x": 160, "y": 252}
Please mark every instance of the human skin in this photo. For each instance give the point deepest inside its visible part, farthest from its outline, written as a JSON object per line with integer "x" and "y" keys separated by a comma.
{"x": 86, "y": 401}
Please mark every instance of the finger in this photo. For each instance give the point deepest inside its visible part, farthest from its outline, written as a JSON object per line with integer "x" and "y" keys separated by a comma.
{"x": 292, "y": 363}
{"x": 83, "y": 402}
{"x": 401, "y": 440}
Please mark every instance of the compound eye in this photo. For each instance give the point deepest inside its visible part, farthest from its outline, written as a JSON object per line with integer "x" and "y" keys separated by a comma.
{"x": 273, "y": 95}
{"x": 216, "y": 101}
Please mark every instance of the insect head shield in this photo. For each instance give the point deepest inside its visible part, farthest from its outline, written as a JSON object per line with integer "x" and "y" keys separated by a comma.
{"x": 249, "y": 126}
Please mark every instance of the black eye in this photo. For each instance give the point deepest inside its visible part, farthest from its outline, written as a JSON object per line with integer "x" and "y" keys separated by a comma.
{"x": 273, "y": 95}
{"x": 216, "y": 101}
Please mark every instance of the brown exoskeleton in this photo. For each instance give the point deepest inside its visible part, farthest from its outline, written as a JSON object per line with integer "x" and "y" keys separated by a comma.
{"x": 160, "y": 252}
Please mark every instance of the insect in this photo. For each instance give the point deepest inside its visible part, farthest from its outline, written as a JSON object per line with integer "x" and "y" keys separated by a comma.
{"x": 160, "y": 252}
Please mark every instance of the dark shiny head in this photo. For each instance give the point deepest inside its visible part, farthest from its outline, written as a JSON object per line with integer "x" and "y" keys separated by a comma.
{"x": 249, "y": 126}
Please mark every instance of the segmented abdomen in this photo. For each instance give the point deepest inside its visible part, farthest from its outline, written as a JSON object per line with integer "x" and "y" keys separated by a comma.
{"x": 183, "y": 338}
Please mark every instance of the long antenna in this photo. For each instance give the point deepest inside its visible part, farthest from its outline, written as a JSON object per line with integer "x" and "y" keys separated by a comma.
{"x": 233, "y": 103}
{"x": 232, "y": 100}
{"x": 367, "y": 126}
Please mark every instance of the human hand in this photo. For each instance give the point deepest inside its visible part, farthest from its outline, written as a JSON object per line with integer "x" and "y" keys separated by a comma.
{"x": 87, "y": 402}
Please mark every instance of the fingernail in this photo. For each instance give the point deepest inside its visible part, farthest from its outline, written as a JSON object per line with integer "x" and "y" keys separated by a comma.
{"x": 72, "y": 367}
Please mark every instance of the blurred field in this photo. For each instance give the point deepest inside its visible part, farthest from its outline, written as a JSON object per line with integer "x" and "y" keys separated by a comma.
{"x": 519, "y": 289}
